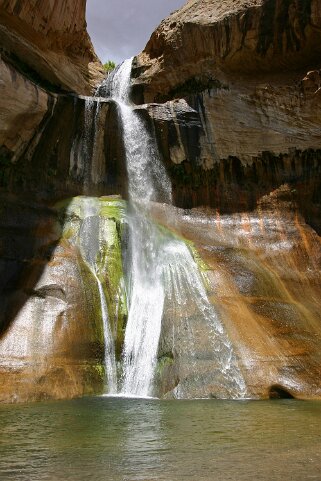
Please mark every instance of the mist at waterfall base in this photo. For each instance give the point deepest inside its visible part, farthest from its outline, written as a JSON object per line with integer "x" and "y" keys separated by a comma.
{"x": 161, "y": 272}
{"x": 108, "y": 439}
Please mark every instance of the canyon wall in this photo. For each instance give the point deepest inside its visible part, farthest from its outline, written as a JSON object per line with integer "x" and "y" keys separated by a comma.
{"x": 205, "y": 43}
{"x": 47, "y": 41}
{"x": 232, "y": 94}
{"x": 45, "y": 49}
{"x": 49, "y": 347}
{"x": 250, "y": 119}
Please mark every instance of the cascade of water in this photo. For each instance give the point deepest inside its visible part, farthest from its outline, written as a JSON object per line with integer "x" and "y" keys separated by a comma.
{"x": 162, "y": 268}
{"x": 89, "y": 245}
{"x": 147, "y": 181}
{"x": 109, "y": 358}
{"x": 192, "y": 312}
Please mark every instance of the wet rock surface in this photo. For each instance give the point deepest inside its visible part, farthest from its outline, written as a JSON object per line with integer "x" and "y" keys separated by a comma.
{"x": 51, "y": 329}
{"x": 51, "y": 340}
{"x": 263, "y": 278}
{"x": 58, "y": 162}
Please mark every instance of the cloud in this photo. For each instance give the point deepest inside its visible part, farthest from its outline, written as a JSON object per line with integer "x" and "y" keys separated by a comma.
{"x": 120, "y": 29}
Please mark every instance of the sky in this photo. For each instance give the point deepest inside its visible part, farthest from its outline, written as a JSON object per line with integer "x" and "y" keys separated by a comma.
{"x": 120, "y": 29}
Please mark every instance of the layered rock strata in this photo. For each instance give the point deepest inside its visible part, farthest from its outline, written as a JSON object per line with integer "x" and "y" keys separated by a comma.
{"x": 48, "y": 42}
{"x": 262, "y": 272}
{"x": 249, "y": 75}
{"x": 206, "y": 43}
{"x": 226, "y": 151}
{"x": 45, "y": 49}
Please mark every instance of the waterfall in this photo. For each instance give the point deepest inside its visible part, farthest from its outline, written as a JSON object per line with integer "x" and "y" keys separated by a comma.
{"x": 147, "y": 181}
{"x": 109, "y": 357}
{"x": 89, "y": 247}
{"x": 162, "y": 270}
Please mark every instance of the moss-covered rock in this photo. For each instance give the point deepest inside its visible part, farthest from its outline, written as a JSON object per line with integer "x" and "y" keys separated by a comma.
{"x": 101, "y": 252}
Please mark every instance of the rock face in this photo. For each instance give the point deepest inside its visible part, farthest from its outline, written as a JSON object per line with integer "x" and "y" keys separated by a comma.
{"x": 23, "y": 107}
{"x": 86, "y": 158}
{"x": 249, "y": 75}
{"x": 263, "y": 278}
{"x": 45, "y": 49}
{"x": 206, "y": 42}
{"x": 238, "y": 126}
{"x": 227, "y": 150}
{"x": 48, "y": 42}
{"x": 49, "y": 348}
{"x": 52, "y": 340}
{"x": 51, "y": 343}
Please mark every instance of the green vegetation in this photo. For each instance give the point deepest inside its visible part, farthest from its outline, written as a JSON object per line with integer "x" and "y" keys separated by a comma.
{"x": 110, "y": 212}
{"x": 164, "y": 362}
{"x": 109, "y": 66}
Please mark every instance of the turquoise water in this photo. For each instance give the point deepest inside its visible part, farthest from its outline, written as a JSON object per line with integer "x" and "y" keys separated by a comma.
{"x": 118, "y": 439}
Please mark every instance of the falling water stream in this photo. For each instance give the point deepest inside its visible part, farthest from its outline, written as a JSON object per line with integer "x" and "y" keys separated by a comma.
{"x": 162, "y": 269}
{"x": 147, "y": 182}
{"x": 89, "y": 246}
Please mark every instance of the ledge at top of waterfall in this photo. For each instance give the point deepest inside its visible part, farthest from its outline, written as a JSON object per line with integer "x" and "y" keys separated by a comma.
{"x": 147, "y": 176}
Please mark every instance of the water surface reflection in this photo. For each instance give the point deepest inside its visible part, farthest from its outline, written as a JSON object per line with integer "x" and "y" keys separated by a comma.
{"x": 118, "y": 439}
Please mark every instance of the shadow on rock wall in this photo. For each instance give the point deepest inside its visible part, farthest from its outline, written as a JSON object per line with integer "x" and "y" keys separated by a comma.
{"x": 77, "y": 150}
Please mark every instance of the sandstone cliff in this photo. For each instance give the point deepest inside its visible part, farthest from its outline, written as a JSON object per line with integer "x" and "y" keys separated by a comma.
{"x": 205, "y": 42}
{"x": 249, "y": 74}
{"x": 47, "y": 42}
{"x": 235, "y": 92}
{"x": 45, "y": 49}
{"x": 46, "y": 59}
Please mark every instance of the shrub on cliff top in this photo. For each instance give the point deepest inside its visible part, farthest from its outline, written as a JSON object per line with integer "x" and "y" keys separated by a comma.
{"x": 109, "y": 65}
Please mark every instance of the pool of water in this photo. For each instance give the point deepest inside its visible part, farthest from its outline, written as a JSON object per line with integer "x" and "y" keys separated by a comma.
{"x": 118, "y": 439}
